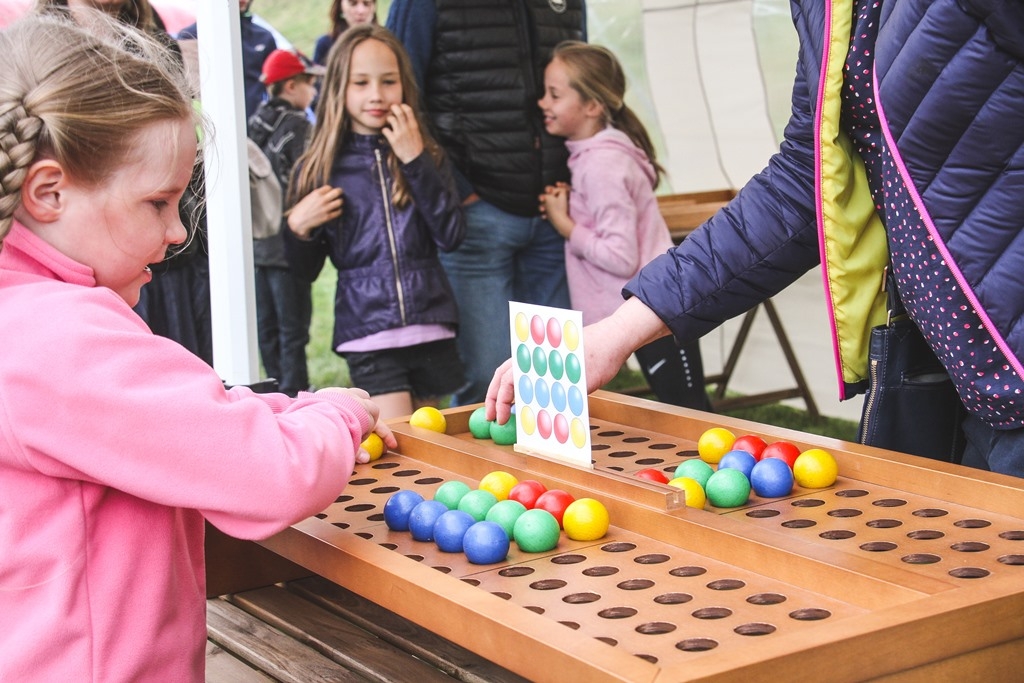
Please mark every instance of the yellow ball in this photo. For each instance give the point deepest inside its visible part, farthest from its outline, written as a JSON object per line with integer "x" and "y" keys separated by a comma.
{"x": 499, "y": 483}
{"x": 692, "y": 490}
{"x": 714, "y": 443}
{"x": 430, "y": 418}
{"x": 815, "y": 469}
{"x": 374, "y": 445}
{"x": 585, "y": 519}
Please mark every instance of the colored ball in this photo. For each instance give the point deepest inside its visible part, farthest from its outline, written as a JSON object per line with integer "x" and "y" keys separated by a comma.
{"x": 541, "y": 392}
{"x": 543, "y": 423}
{"x": 450, "y": 529}
{"x": 537, "y": 329}
{"x": 556, "y": 364}
{"x": 554, "y": 332}
{"x": 651, "y": 474}
{"x": 485, "y": 543}
{"x": 451, "y": 492}
{"x": 523, "y": 357}
{"x": 536, "y": 531}
{"x": 528, "y": 420}
{"x": 815, "y": 469}
{"x": 479, "y": 425}
{"x": 429, "y": 417}
{"x": 575, "y": 397}
{"x": 783, "y": 450}
{"x": 499, "y": 483}
{"x": 693, "y": 492}
{"x": 571, "y": 335}
{"x": 527, "y": 492}
{"x": 398, "y": 507}
{"x": 728, "y": 488}
{"x": 751, "y": 444}
{"x": 577, "y": 432}
{"x": 695, "y": 469}
{"x": 738, "y": 460}
{"x": 525, "y": 389}
{"x": 714, "y": 443}
{"x": 504, "y": 435}
{"x": 771, "y": 478}
{"x": 373, "y": 445}
{"x": 522, "y": 327}
{"x": 558, "y": 397}
{"x": 573, "y": 368}
{"x": 585, "y": 519}
{"x": 423, "y": 517}
{"x": 540, "y": 361}
{"x": 505, "y": 513}
{"x": 554, "y": 501}
{"x": 477, "y": 503}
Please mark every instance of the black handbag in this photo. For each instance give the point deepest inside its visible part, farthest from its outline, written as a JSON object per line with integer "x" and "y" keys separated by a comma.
{"x": 911, "y": 405}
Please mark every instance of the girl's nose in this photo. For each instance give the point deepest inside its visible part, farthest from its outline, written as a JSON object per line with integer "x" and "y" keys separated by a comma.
{"x": 176, "y": 231}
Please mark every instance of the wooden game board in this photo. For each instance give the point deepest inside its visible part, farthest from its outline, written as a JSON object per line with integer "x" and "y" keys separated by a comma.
{"x": 905, "y": 569}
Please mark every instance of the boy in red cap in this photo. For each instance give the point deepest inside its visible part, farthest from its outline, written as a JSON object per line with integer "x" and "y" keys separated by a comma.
{"x": 284, "y": 302}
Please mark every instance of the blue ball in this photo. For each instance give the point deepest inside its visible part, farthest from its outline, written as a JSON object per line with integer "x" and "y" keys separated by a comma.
{"x": 423, "y": 517}
{"x": 771, "y": 478}
{"x": 486, "y": 543}
{"x": 738, "y": 460}
{"x": 450, "y": 529}
{"x": 398, "y": 507}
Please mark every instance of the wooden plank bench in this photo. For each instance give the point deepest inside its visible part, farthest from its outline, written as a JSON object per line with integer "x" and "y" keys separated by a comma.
{"x": 309, "y": 630}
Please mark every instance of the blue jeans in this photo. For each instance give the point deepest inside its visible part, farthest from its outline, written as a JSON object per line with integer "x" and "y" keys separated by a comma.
{"x": 503, "y": 258}
{"x": 284, "y": 309}
{"x": 997, "y": 450}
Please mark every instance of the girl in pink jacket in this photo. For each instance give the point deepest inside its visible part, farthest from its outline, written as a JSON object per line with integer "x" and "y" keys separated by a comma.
{"x": 116, "y": 444}
{"x": 609, "y": 217}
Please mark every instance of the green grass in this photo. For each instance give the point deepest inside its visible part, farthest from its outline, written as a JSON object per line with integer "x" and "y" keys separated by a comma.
{"x": 302, "y": 21}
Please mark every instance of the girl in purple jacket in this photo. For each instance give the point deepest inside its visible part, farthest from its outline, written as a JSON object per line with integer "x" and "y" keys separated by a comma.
{"x": 609, "y": 217}
{"x": 395, "y": 317}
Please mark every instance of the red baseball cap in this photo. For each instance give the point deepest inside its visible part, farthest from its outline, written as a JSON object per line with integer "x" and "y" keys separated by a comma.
{"x": 281, "y": 65}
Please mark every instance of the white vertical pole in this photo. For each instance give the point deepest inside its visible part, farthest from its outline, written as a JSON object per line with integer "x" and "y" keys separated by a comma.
{"x": 229, "y": 216}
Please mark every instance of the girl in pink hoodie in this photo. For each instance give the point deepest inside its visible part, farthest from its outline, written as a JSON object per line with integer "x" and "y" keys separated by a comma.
{"x": 115, "y": 444}
{"x": 609, "y": 217}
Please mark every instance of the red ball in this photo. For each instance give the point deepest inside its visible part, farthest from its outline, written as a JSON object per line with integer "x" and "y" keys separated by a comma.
{"x": 783, "y": 450}
{"x": 554, "y": 501}
{"x": 527, "y": 492}
{"x": 652, "y": 474}
{"x": 754, "y": 445}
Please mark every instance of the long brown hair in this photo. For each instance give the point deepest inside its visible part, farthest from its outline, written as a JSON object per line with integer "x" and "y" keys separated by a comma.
{"x": 80, "y": 96}
{"x": 596, "y": 74}
{"x": 338, "y": 23}
{"x": 333, "y": 123}
{"x": 136, "y": 13}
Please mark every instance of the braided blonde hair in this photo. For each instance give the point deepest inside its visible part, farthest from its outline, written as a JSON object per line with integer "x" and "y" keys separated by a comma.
{"x": 80, "y": 97}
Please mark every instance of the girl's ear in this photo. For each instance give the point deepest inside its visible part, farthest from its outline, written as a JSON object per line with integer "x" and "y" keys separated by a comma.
{"x": 42, "y": 192}
{"x": 594, "y": 109}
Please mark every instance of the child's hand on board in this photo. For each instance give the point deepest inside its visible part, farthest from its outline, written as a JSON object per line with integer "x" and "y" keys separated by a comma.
{"x": 381, "y": 429}
{"x": 403, "y": 133}
{"x": 316, "y": 208}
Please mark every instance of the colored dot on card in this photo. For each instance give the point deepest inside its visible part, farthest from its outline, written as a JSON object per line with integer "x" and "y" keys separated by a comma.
{"x": 540, "y": 361}
{"x": 522, "y": 327}
{"x": 561, "y": 428}
{"x": 527, "y": 420}
{"x": 543, "y": 423}
{"x": 541, "y": 392}
{"x": 556, "y": 364}
{"x": 525, "y": 388}
{"x": 554, "y": 332}
{"x": 537, "y": 329}
{"x": 558, "y": 397}
{"x": 575, "y": 397}
{"x": 571, "y": 335}
{"x": 523, "y": 357}
{"x": 578, "y": 432}
{"x": 573, "y": 369}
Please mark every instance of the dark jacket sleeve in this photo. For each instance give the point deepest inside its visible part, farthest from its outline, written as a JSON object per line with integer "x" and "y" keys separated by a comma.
{"x": 752, "y": 249}
{"x": 436, "y": 201}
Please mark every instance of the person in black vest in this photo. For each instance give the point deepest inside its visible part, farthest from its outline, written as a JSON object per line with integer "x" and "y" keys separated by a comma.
{"x": 488, "y": 121}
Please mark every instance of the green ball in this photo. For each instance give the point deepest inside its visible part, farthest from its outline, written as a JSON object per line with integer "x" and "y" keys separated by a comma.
{"x": 451, "y": 492}
{"x": 728, "y": 488}
{"x": 504, "y": 435}
{"x": 480, "y": 426}
{"x": 477, "y": 503}
{"x": 536, "y": 531}
{"x": 695, "y": 469}
{"x": 505, "y": 513}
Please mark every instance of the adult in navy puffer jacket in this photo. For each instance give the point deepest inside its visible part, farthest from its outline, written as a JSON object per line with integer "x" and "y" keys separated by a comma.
{"x": 907, "y": 136}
